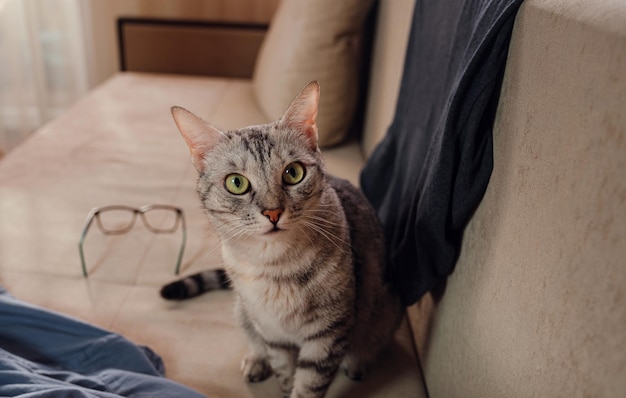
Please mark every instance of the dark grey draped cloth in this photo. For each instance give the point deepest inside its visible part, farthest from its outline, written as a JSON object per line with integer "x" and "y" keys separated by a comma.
{"x": 430, "y": 172}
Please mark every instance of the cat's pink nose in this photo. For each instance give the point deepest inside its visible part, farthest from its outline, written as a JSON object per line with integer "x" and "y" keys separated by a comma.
{"x": 273, "y": 215}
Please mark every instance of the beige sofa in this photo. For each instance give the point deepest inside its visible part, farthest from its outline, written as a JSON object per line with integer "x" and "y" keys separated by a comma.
{"x": 536, "y": 306}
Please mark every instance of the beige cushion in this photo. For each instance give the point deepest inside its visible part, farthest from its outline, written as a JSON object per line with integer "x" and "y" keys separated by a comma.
{"x": 237, "y": 107}
{"x": 313, "y": 40}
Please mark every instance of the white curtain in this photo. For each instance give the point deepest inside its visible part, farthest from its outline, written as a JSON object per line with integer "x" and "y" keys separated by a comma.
{"x": 43, "y": 64}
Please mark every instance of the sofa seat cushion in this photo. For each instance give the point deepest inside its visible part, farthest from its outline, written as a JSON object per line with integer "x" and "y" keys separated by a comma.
{"x": 119, "y": 145}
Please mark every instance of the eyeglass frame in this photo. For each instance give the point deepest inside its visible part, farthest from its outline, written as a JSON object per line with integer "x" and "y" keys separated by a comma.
{"x": 96, "y": 211}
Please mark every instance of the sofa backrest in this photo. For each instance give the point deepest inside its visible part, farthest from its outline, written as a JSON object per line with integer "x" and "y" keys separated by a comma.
{"x": 392, "y": 32}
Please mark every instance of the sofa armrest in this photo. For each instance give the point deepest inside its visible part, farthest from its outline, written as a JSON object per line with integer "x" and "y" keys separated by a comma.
{"x": 536, "y": 305}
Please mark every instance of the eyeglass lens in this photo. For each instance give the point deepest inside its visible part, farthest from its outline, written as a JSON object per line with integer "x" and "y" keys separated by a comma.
{"x": 119, "y": 219}
{"x": 116, "y": 220}
{"x": 161, "y": 219}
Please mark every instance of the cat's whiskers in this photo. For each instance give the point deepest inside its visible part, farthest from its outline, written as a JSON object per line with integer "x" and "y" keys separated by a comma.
{"x": 321, "y": 220}
{"x": 314, "y": 216}
{"x": 328, "y": 235}
{"x": 318, "y": 210}
{"x": 232, "y": 229}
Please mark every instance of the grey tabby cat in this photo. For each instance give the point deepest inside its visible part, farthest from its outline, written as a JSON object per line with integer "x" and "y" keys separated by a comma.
{"x": 303, "y": 251}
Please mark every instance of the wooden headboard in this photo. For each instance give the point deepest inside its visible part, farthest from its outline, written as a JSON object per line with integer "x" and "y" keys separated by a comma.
{"x": 189, "y": 47}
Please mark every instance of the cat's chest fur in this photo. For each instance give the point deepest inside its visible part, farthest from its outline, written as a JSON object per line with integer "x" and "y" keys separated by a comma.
{"x": 282, "y": 292}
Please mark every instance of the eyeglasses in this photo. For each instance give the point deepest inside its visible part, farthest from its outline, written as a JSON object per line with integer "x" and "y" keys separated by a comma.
{"x": 119, "y": 219}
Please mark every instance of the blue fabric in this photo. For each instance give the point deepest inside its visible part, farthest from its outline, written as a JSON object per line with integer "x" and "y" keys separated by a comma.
{"x": 430, "y": 172}
{"x": 45, "y": 354}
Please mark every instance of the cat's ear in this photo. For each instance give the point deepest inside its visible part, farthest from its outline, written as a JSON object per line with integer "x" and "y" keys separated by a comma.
{"x": 302, "y": 113}
{"x": 200, "y": 136}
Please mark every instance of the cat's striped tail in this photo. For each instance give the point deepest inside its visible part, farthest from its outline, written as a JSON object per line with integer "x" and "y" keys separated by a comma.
{"x": 196, "y": 284}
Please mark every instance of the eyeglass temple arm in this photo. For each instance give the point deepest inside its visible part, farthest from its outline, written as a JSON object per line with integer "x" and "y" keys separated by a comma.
{"x": 83, "y": 235}
{"x": 183, "y": 243}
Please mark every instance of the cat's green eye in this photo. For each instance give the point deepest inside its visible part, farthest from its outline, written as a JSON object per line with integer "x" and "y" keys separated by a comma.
{"x": 237, "y": 184}
{"x": 294, "y": 173}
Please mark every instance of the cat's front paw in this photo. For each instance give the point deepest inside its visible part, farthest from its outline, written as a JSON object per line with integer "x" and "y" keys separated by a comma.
{"x": 354, "y": 369}
{"x": 255, "y": 368}
{"x": 354, "y": 374}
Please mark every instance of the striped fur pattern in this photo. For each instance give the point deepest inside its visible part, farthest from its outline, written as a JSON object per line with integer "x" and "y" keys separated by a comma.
{"x": 196, "y": 284}
{"x": 303, "y": 251}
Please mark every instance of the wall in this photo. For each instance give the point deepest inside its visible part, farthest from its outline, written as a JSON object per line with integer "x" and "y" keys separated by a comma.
{"x": 101, "y": 15}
